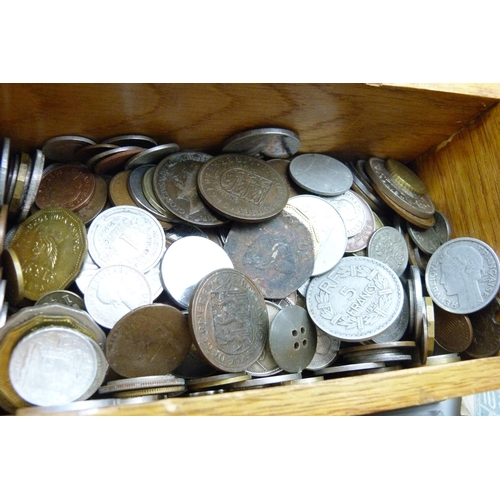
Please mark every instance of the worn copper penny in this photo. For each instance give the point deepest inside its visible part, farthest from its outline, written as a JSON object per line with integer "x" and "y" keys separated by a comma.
{"x": 97, "y": 202}
{"x": 278, "y": 255}
{"x": 485, "y": 331}
{"x": 118, "y": 189}
{"x": 149, "y": 340}
{"x": 453, "y": 331}
{"x": 242, "y": 188}
{"x": 228, "y": 320}
{"x": 68, "y": 186}
{"x": 112, "y": 161}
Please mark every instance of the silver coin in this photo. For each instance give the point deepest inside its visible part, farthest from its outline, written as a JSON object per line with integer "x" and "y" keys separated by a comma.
{"x": 320, "y": 174}
{"x": 351, "y": 209}
{"x": 359, "y": 241}
{"x": 4, "y": 167}
{"x": 114, "y": 291}
{"x": 329, "y": 230}
{"x": 89, "y": 268}
{"x": 135, "y": 383}
{"x": 52, "y": 366}
{"x": 270, "y": 142}
{"x": 388, "y": 245}
{"x": 400, "y": 326}
{"x": 462, "y": 275}
{"x": 151, "y": 156}
{"x": 182, "y": 230}
{"x": 65, "y": 297}
{"x": 63, "y": 147}
{"x": 416, "y": 302}
{"x": 134, "y": 140}
{"x": 357, "y": 300}
{"x": 345, "y": 369}
{"x": 257, "y": 383}
{"x": 327, "y": 351}
{"x": 4, "y": 310}
{"x": 126, "y": 235}
{"x": 430, "y": 239}
{"x": 363, "y": 186}
{"x": 186, "y": 262}
{"x": 32, "y": 186}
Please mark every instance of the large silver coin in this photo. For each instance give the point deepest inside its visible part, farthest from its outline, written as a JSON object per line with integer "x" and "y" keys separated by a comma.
{"x": 388, "y": 245}
{"x": 351, "y": 209}
{"x": 186, "y": 262}
{"x": 270, "y": 142}
{"x": 126, "y": 235}
{"x": 463, "y": 275}
{"x": 357, "y": 300}
{"x": 329, "y": 229}
{"x": 320, "y": 174}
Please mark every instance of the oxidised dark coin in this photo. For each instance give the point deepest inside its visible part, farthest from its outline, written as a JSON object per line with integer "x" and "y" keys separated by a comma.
{"x": 278, "y": 255}
{"x": 175, "y": 185}
{"x": 228, "y": 320}
{"x": 485, "y": 331}
{"x": 242, "y": 188}
{"x": 453, "y": 331}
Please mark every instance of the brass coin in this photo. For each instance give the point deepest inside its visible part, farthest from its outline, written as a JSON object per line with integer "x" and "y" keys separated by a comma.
{"x": 228, "y": 320}
{"x": 118, "y": 189}
{"x": 217, "y": 380}
{"x": 176, "y": 391}
{"x": 431, "y": 324}
{"x": 68, "y": 186}
{"x": 242, "y": 188}
{"x": 22, "y": 175}
{"x": 14, "y": 276}
{"x": 453, "y": 331}
{"x": 4, "y": 214}
{"x": 406, "y": 177}
{"x": 97, "y": 203}
{"x": 51, "y": 246}
{"x": 149, "y": 340}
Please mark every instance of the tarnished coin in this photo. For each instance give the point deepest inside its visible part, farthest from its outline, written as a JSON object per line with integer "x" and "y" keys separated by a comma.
{"x": 281, "y": 166}
{"x": 485, "y": 331}
{"x": 69, "y": 186}
{"x": 97, "y": 203}
{"x": 388, "y": 245}
{"x": 51, "y": 246}
{"x": 115, "y": 290}
{"x": 242, "y": 188}
{"x": 33, "y": 184}
{"x": 430, "y": 239}
{"x": 64, "y": 297}
{"x": 85, "y": 153}
{"x": 112, "y": 161}
{"x": 278, "y": 255}
{"x": 416, "y": 300}
{"x": 20, "y": 185}
{"x": 269, "y": 141}
{"x": 126, "y": 235}
{"x": 13, "y": 273}
{"x": 257, "y": 383}
{"x": 149, "y": 193}
{"x": 321, "y": 174}
{"x": 453, "y": 331}
{"x": 118, "y": 189}
{"x": 4, "y": 168}
{"x": 228, "y": 320}
{"x": 175, "y": 185}
{"x": 149, "y": 340}
{"x": 63, "y": 147}
{"x": 328, "y": 227}
{"x": 357, "y": 300}
{"x": 463, "y": 275}
{"x": 327, "y": 351}
{"x": 186, "y": 262}
{"x": 349, "y": 369}
{"x": 152, "y": 155}
{"x": 217, "y": 380}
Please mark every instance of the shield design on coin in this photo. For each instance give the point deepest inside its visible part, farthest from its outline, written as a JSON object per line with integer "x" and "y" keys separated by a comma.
{"x": 232, "y": 321}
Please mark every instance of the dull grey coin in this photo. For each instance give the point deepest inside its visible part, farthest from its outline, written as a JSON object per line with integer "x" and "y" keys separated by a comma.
{"x": 430, "y": 239}
{"x": 388, "y": 245}
{"x": 463, "y": 275}
{"x": 186, "y": 262}
{"x": 4, "y": 167}
{"x": 327, "y": 351}
{"x": 292, "y": 339}
{"x": 270, "y": 142}
{"x": 400, "y": 326}
{"x": 320, "y": 174}
{"x": 151, "y": 156}
{"x": 135, "y": 140}
{"x": 63, "y": 147}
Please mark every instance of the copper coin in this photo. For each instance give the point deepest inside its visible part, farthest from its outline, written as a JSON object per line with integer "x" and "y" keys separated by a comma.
{"x": 453, "y": 331}
{"x": 63, "y": 147}
{"x": 281, "y": 166}
{"x": 118, "y": 189}
{"x": 242, "y": 188}
{"x": 97, "y": 202}
{"x": 278, "y": 255}
{"x": 85, "y": 153}
{"x": 228, "y": 320}
{"x": 149, "y": 340}
{"x": 485, "y": 331}
{"x": 111, "y": 162}
{"x": 4, "y": 213}
{"x": 68, "y": 186}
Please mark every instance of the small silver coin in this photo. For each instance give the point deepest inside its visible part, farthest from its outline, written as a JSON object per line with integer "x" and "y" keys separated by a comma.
{"x": 32, "y": 186}
{"x": 463, "y": 275}
{"x": 327, "y": 351}
{"x": 292, "y": 339}
{"x": 257, "y": 383}
{"x": 345, "y": 369}
{"x": 270, "y": 142}
{"x": 63, "y": 148}
{"x": 388, "y": 245}
{"x": 64, "y": 297}
{"x": 4, "y": 167}
{"x": 151, "y": 156}
{"x": 430, "y": 239}
{"x": 320, "y": 174}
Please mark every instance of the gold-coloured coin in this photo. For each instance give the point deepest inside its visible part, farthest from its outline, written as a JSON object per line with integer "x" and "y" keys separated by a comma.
{"x": 14, "y": 276}
{"x": 179, "y": 389}
{"x": 217, "y": 380}
{"x": 118, "y": 189}
{"x": 405, "y": 177}
{"x": 4, "y": 215}
{"x": 51, "y": 246}
{"x": 22, "y": 175}
{"x": 431, "y": 324}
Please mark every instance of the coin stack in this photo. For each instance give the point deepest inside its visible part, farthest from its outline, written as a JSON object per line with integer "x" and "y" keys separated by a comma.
{"x": 138, "y": 271}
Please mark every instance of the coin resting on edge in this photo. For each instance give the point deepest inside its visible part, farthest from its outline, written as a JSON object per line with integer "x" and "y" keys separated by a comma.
{"x": 228, "y": 320}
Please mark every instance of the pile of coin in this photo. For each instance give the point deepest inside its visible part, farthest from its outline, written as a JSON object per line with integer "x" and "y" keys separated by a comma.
{"x": 147, "y": 271}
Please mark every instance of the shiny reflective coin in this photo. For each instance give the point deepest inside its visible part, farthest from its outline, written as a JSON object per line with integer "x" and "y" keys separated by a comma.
{"x": 13, "y": 272}
{"x": 278, "y": 255}
{"x": 33, "y": 184}
{"x": 89, "y": 404}
{"x": 430, "y": 323}
{"x": 114, "y": 291}
{"x": 155, "y": 391}
{"x": 137, "y": 140}
{"x": 406, "y": 177}
{"x": 453, "y": 331}
{"x": 257, "y": 383}
{"x": 228, "y": 320}
{"x": 320, "y": 174}
{"x": 443, "y": 359}
{"x": 181, "y": 230}
{"x": 64, "y": 297}
{"x": 304, "y": 381}
{"x": 69, "y": 186}
{"x": 462, "y": 275}
{"x": 329, "y": 230}
{"x": 152, "y": 155}
{"x": 186, "y": 262}
{"x": 216, "y": 380}
{"x": 357, "y": 300}
{"x": 21, "y": 181}
{"x": 175, "y": 185}
{"x": 54, "y": 365}
{"x": 51, "y": 246}
{"x": 4, "y": 167}
{"x": 63, "y": 148}
{"x": 242, "y": 188}
{"x": 380, "y": 357}
{"x": 327, "y": 351}
{"x": 89, "y": 268}
{"x": 388, "y": 245}
{"x": 486, "y": 331}
{"x": 292, "y": 339}
{"x": 351, "y": 209}
{"x": 270, "y": 142}
{"x": 149, "y": 340}
{"x": 126, "y": 235}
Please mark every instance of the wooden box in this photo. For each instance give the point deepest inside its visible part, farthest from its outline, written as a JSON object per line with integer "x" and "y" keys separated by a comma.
{"x": 449, "y": 132}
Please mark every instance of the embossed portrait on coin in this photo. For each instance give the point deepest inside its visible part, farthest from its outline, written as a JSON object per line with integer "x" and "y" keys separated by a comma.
{"x": 186, "y": 187}
{"x": 232, "y": 321}
{"x": 270, "y": 253}
{"x": 461, "y": 272}
{"x": 116, "y": 292}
